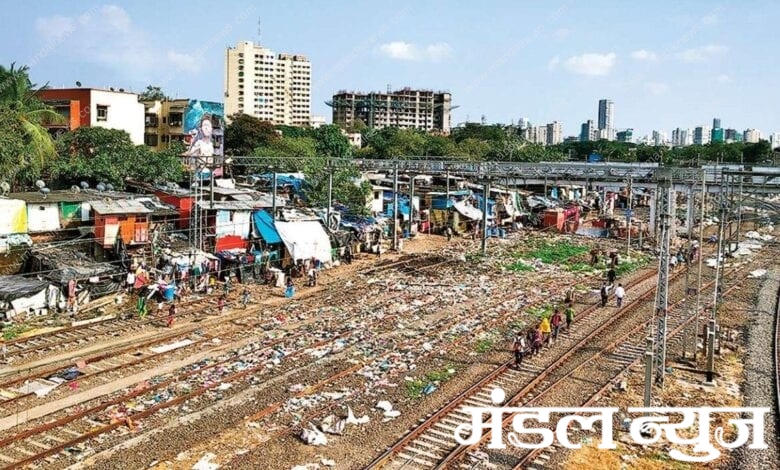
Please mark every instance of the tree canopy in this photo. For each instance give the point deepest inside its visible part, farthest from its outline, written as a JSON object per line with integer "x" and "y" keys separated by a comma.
{"x": 29, "y": 145}
{"x": 153, "y": 93}
{"x": 100, "y": 155}
{"x": 244, "y": 133}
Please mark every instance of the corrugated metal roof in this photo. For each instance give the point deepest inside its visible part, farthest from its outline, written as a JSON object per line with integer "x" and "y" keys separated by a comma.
{"x": 122, "y": 206}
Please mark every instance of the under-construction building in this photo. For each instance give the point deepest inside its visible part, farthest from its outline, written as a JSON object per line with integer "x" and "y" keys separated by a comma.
{"x": 406, "y": 109}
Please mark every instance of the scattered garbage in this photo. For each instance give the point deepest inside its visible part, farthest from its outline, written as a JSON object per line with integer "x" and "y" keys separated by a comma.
{"x": 758, "y": 273}
{"x": 384, "y": 405}
{"x": 352, "y": 420}
{"x": 333, "y": 425}
{"x": 313, "y": 436}
{"x": 205, "y": 463}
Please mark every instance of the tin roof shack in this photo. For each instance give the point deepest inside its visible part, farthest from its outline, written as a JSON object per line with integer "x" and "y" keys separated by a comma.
{"x": 48, "y": 214}
{"x": 124, "y": 220}
{"x": 21, "y": 297}
{"x": 228, "y": 224}
{"x": 14, "y": 240}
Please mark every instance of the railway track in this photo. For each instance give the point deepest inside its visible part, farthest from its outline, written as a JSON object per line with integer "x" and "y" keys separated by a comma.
{"x": 24, "y": 444}
{"x": 431, "y": 445}
{"x": 80, "y": 335}
{"x": 66, "y": 423}
{"x": 776, "y": 354}
{"x": 427, "y": 444}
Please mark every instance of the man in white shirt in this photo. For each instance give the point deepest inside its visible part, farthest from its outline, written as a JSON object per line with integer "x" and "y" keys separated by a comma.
{"x": 619, "y": 294}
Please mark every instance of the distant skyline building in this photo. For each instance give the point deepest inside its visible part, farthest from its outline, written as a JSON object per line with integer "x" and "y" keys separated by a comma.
{"x": 606, "y": 119}
{"x": 751, "y": 136}
{"x": 271, "y": 87}
{"x": 774, "y": 140}
{"x": 731, "y": 135}
{"x": 407, "y": 108}
{"x": 554, "y": 133}
{"x": 659, "y": 138}
{"x": 523, "y": 123}
{"x": 701, "y": 135}
{"x": 626, "y": 135}
{"x": 588, "y": 131}
{"x": 717, "y": 135}
{"x": 716, "y": 123}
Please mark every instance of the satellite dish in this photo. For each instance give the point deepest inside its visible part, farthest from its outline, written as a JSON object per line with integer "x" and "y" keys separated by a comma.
{"x": 75, "y": 189}
{"x": 101, "y": 187}
{"x": 84, "y": 185}
{"x": 78, "y": 83}
{"x": 5, "y": 188}
{"x": 40, "y": 184}
{"x": 109, "y": 187}
{"x": 45, "y": 192}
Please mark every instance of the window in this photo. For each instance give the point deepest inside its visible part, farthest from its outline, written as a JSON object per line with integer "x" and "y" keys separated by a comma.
{"x": 102, "y": 112}
{"x": 150, "y": 140}
{"x": 151, "y": 120}
{"x": 175, "y": 119}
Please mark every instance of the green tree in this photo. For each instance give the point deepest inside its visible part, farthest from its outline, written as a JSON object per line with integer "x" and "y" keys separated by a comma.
{"x": 153, "y": 93}
{"x": 100, "y": 155}
{"x": 19, "y": 101}
{"x": 331, "y": 143}
{"x": 473, "y": 149}
{"x": 246, "y": 133}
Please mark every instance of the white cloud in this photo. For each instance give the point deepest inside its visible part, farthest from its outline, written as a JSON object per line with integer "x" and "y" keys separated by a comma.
{"x": 591, "y": 64}
{"x": 400, "y": 50}
{"x": 723, "y": 78}
{"x": 644, "y": 55}
{"x": 553, "y": 64}
{"x": 107, "y": 36}
{"x": 657, "y": 88}
{"x": 561, "y": 34}
{"x": 701, "y": 54}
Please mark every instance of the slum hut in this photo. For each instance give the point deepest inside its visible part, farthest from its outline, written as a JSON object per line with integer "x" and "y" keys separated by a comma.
{"x": 22, "y": 297}
{"x": 304, "y": 237}
{"x": 14, "y": 240}
{"x": 56, "y": 211}
{"x": 227, "y": 224}
{"x": 120, "y": 222}
{"x": 442, "y": 210}
{"x": 267, "y": 244}
{"x": 75, "y": 272}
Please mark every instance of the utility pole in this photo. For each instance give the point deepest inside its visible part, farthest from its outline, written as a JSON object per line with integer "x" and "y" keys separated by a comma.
{"x": 411, "y": 202}
{"x": 273, "y": 194}
{"x": 712, "y": 324}
{"x": 695, "y": 331}
{"x": 395, "y": 205}
{"x": 629, "y": 215}
{"x": 448, "y": 184}
{"x": 649, "y": 372}
{"x": 688, "y": 289}
{"x": 485, "y": 197}
{"x": 330, "y": 190}
{"x": 664, "y": 200}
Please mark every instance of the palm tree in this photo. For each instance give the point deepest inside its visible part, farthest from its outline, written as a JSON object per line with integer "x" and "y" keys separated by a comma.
{"x": 18, "y": 95}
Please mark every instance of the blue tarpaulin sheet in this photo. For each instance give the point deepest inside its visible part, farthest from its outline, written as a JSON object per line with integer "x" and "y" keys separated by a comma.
{"x": 265, "y": 227}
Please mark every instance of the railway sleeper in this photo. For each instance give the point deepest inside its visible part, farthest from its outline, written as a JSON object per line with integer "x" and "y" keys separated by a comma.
{"x": 427, "y": 449}
{"x": 416, "y": 459}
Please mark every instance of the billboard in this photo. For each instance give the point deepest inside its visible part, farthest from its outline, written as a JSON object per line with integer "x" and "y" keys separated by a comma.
{"x": 204, "y": 124}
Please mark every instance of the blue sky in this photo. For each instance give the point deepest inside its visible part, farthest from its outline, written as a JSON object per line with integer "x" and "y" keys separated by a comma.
{"x": 665, "y": 64}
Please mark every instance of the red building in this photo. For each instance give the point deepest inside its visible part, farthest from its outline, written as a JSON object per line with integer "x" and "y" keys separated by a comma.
{"x": 127, "y": 220}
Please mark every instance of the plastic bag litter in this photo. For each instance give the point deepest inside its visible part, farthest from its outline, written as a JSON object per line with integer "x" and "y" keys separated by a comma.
{"x": 352, "y": 420}
{"x": 333, "y": 425}
{"x": 757, "y": 273}
{"x": 205, "y": 463}
{"x": 392, "y": 414}
{"x": 313, "y": 436}
{"x": 384, "y": 405}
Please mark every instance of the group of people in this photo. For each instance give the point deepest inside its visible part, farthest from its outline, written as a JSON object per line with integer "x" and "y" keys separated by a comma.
{"x": 531, "y": 342}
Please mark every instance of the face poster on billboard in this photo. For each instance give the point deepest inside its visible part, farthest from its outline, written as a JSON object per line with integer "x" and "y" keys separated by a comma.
{"x": 203, "y": 129}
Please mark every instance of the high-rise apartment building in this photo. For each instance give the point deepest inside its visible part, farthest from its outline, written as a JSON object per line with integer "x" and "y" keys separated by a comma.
{"x": 554, "y": 133}
{"x": 405, "y": 109}
{"x": 716, "y": 123}
{"x": 731, "y": 135}
{"x": 659, "y": 138}
{"x": 626, "y": 135}
{"x": 606, "y": 119}
{"x": 752, "y": 136}
{"x": 271, "y": 87}
{"x": 717, "y": 135}
{"x": 701, "y": 135}
{"x": 588, "y": 131}
{"x": 682, "y": 137}
{"x": 774, "y": 140}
